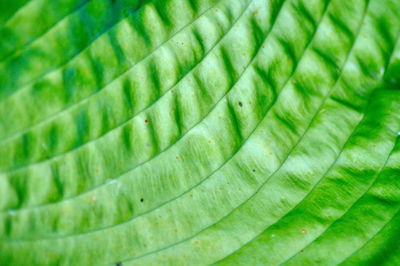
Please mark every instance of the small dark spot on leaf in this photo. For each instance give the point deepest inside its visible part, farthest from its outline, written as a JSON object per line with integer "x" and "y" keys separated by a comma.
{"x": 118, "y": 264}
{"x": 142, "y": 199}
{"x": 254, "y": 170}
{"x": 240, "y": 104}
{"x": 302, "y": 251}
{"x": 146, "y": 121}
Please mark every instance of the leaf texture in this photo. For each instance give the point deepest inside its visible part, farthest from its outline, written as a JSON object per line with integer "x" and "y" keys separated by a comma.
{"x": 180, "y": 132}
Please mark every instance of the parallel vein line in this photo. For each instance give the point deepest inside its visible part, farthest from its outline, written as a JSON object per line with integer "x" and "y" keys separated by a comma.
{"x": 84, "y": 48}
{"x": 131, "y": 169}
{"x": 348, "y": 209}
{"x": 318, "y": 181}
{"x": 372, "y": 237}
{"x": 368, "y": 189}
{"x": 15, "y": 240}
{"x": 186, "y": 239}
{"x": 17, "y": 11}
{"x": 320, "y": 108}
{"x": 49, "y": 118}
{"x": 23, "y": 47}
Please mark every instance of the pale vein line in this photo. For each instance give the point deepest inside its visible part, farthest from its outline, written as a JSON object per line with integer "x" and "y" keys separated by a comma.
{"x": 16, "y": 240}
{"x": 26, "y": 85}
{"x": 372, "y": 237}
{"x": 348, "y": 209}
{"x": 320, "y": 179}
{"x": 186, "y": 239}
{"x": 132, "y": 168}
{"x": 346, "y": 60}
{"x": 85, "y": 99}
{"x": 18, "y": 10}
{"x": 25, "y": 45}
{"x": 375, "y": 179}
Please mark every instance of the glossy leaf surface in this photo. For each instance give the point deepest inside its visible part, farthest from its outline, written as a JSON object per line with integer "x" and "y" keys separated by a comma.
{"x": 180, "y": 132}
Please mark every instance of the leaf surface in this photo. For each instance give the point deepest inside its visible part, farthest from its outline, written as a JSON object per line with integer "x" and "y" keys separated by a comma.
{"x": 177, "y": 132}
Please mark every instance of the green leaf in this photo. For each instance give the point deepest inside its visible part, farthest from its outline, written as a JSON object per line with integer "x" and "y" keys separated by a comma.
{"x": 237, "y": 132}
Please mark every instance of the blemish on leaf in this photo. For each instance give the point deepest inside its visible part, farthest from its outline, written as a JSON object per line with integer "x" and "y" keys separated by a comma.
{"x": 141, "y": 199}
{"x": 118, "y": 264}
{"x": 112, "y": 181}
{"x": 240, "y": 104}
{"x": 146, "y": 121}
{"x": 254, "y": 170}
{"x": 177, "y": 157}
{"x": 304, "y": 231}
